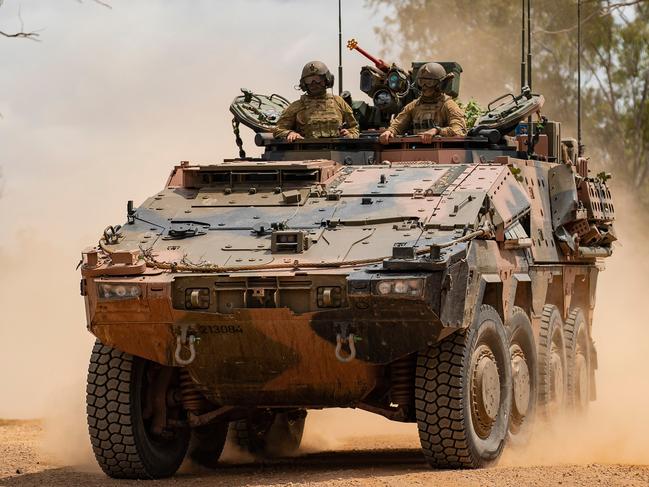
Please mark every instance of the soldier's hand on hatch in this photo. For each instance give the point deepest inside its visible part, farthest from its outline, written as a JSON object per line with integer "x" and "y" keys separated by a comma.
{"x": 293, "y": 136}
{"x": 344, "y": 133}
{"x": 427, "y": 137}
{"x": 385, "y": 137}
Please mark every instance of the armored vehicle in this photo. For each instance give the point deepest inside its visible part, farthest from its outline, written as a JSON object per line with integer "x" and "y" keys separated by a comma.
{"x": 450, "y": 284}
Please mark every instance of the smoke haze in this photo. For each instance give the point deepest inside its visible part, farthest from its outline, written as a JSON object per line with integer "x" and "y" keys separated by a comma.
{"x": 97, "y": 114}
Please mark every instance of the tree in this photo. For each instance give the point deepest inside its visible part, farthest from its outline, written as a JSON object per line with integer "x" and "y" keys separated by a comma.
{"x": 33, "y": 35}
{"x": 21, "y": 33}
{"x": 485, "y": 37}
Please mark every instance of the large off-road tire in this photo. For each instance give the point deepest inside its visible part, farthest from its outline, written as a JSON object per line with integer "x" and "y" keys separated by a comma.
{"x": 578, "y": 359}
{"x": 463, "y": 395}
{"x": 207, "y": 444}
{"x": 123, "y": 445}
{"x": 270, "y": 434}
{"x": 522, "y": 351}
{"x": 553, "y": 371}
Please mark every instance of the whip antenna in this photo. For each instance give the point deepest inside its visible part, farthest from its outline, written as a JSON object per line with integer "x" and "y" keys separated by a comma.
{"x": 529, "y": 44}
{"x": 340, "y": 49}
{"x": 530, "y": 126}
{"x": 580, "y": 147}
{"x": 523, "y": 65}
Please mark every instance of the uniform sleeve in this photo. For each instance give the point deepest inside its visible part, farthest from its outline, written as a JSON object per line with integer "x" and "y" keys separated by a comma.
{"x": 454, "y": 117}
{"x": 403, "y": 121}
{"x": 348, "y": 117}
{"x": 287, "y": 121}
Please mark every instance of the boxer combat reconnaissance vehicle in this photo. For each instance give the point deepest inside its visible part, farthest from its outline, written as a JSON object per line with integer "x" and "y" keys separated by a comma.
{"x": 449, "y": 284}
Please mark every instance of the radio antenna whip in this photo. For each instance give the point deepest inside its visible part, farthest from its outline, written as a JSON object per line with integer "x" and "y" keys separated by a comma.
{"x": 523, "y": 65}
{"x": 580, "y": 147}
{"x": 530, "y": 125}
{"x": 529, "y": 44}
{"x": 340, "y": 49}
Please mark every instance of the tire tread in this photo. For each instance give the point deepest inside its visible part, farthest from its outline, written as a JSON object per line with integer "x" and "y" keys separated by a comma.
{"x": 439, "y": 404}
{"x": 571, "y": 336}
{"x": 108, "y": 412}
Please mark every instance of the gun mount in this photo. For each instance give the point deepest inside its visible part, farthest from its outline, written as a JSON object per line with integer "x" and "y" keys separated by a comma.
{"x": 391, "y": 87}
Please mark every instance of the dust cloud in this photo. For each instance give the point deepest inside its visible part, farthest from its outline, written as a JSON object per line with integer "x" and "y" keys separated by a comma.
{"x": 615, "y": 429}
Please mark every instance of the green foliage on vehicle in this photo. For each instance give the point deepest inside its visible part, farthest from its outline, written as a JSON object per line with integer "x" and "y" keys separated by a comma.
{"x": 472, "y": 111}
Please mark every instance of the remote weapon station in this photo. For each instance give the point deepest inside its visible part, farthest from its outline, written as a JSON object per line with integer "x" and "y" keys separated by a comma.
{"x": 450, "y": 284}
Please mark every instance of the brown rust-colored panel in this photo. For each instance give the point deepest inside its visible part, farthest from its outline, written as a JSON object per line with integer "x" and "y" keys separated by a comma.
{"x": 254, "y": 357}
{"x": 153, "y": 341}
{"x": 273, "y": 357}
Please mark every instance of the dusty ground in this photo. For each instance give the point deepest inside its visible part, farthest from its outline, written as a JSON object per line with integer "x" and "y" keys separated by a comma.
{"x": 357, "y": 461}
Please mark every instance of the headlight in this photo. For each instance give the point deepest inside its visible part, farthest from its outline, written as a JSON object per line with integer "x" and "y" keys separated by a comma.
{"x": 384, "y": 287}
{"x": 400, "y": 287}
{"x": 118, "y": 291}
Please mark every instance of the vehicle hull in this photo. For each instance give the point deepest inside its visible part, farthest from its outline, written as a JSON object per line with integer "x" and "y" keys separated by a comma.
{"x": 274, "y": 357}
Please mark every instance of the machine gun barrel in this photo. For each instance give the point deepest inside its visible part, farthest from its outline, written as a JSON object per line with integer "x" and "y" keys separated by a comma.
{"x": 352, "y": 45}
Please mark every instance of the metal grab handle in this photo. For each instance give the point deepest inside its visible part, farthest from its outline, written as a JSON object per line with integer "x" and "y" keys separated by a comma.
{"x": 181, "y": 340}
{"x": 278, "y": 96}
{"x": 339, "y": 346}
{"x": 501, "y": 98}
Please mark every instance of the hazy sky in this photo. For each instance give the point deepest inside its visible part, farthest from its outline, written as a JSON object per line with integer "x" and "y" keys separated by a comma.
{"x": 110, "y": 96}
{"x": 96, "y": 114}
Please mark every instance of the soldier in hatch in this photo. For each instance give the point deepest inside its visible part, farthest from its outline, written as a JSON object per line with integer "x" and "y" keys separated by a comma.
{"x": 433, "y": 113}
{"x": 317, "y": 113}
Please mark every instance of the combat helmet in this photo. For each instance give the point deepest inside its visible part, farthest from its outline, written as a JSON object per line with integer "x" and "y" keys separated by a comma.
{"x": 317, "y": 68}
{"x": 432, "y": 72}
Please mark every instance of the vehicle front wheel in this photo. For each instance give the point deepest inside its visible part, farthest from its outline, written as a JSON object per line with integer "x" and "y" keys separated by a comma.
{"x": 463, "y": 395}
{"x": 120, "y": 409}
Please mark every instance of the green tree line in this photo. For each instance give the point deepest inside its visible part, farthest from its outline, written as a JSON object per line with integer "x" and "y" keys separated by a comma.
{"x": 485, "y": 37}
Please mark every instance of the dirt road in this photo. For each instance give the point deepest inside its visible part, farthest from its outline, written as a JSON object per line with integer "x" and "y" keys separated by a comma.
{"x": 388, "y": 460}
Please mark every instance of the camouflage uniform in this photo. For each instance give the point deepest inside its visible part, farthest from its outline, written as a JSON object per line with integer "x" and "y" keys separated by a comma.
{"x": 317, "y": 116}
{"x": 421, "y": 115}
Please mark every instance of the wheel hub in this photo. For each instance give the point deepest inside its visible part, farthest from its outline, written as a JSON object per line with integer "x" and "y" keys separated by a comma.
{"x": 485, "y": 390}
{"x": 521, "y": 380}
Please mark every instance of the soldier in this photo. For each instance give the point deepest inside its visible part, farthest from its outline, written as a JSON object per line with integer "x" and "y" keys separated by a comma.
{"x": 433, "y": 113}
{"x": 317, "y": 113}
